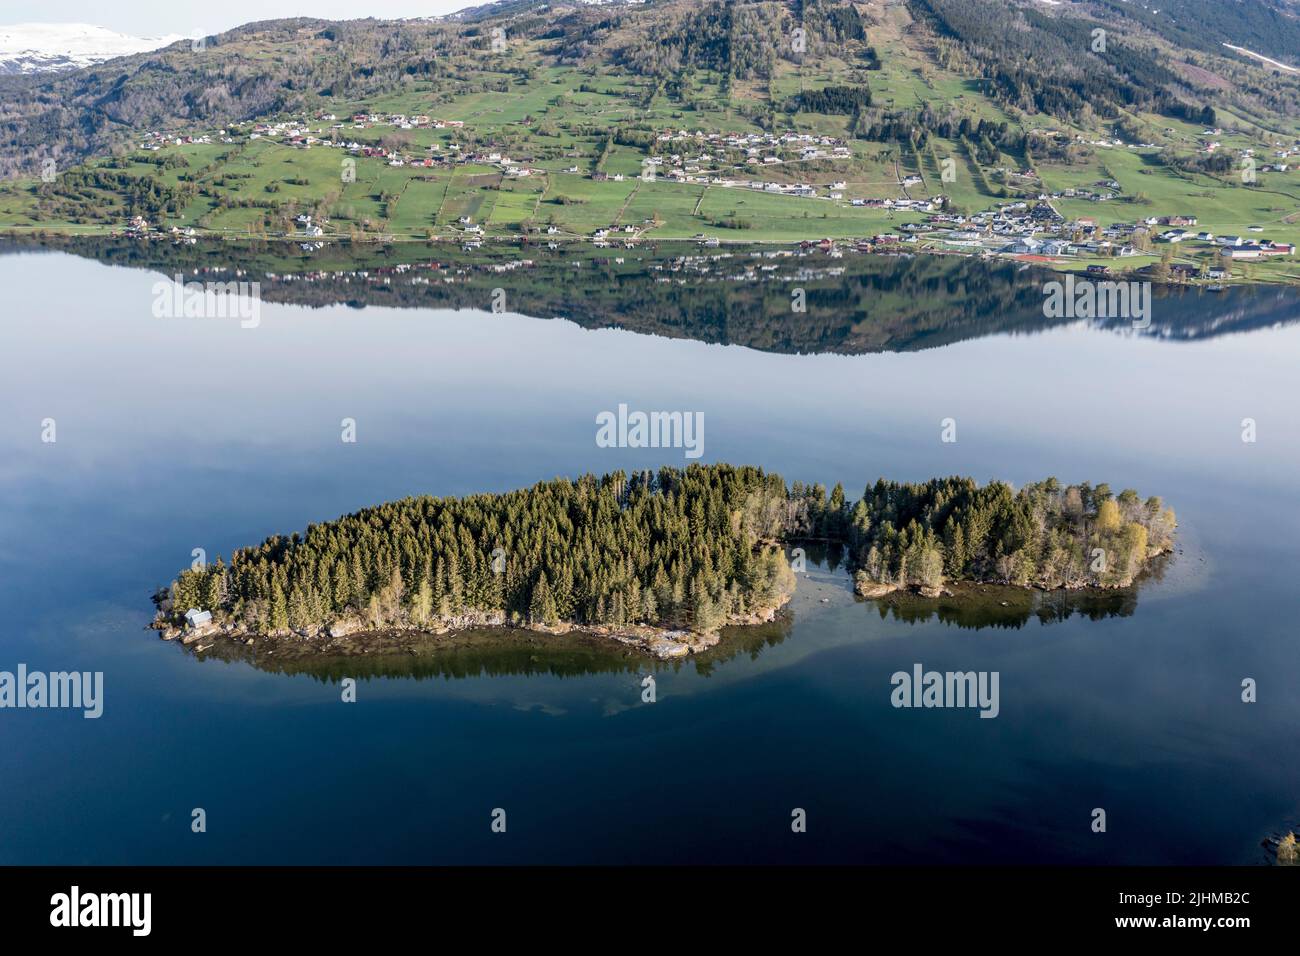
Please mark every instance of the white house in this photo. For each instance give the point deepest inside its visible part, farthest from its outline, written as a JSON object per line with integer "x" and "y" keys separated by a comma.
{"x": 196, "y": 618}
{"x": 1242, "y": 252}
{"x": 1025, "y": 246}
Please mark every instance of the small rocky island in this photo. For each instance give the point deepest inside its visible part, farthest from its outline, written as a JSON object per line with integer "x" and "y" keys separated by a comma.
{"x": 657, "y": 561}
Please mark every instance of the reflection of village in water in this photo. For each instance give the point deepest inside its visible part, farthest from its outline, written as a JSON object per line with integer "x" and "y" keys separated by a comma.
{"x": 808, "y": 299}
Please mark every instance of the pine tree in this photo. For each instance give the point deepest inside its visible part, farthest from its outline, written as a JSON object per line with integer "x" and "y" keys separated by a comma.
{"x": 541, "y": 609}
{"x": 358, "y": 586}
{"x": 649, "y": 607}
{"x": 341, "y": 581}
{"x": 278, "y": 614}
{"x": 420, "y": 606}
{"x": 956, "y": 552}
{"x": 706, "y": 616}
{"x": 299, "y": 608}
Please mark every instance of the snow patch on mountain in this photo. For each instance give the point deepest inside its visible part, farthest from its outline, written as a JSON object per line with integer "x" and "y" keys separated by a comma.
{"x": 55, "y": 47}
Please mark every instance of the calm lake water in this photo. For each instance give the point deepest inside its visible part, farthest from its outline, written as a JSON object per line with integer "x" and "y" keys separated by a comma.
{"x": 182, "y": 434}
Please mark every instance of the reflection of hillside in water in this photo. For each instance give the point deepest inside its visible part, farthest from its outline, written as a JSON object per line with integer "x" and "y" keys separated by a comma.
{"x": 851, "y": 305}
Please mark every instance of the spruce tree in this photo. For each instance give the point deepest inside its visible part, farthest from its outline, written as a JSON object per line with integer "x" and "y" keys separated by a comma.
{"x": 541, "y": 609}
{"x": 278, "y": 614}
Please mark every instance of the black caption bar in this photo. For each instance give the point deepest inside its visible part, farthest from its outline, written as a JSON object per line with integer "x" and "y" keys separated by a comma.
{"x": 329, "y": 905}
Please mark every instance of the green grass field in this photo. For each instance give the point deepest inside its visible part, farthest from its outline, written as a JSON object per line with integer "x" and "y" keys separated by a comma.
{"x": 604, "y": 121}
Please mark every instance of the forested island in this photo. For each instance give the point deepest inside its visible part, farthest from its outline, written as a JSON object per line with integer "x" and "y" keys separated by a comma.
{"x": 658, "y": 560}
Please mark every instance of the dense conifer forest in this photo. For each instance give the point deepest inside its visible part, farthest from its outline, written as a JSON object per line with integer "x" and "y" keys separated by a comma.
{"x": 692, "y": 549}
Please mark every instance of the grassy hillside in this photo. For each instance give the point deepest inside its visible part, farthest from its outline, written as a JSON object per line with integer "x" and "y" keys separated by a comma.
{"x": 656, "y": 120}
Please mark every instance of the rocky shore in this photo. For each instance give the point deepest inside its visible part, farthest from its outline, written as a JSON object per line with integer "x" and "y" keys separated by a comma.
{"x": 352, "y": 636}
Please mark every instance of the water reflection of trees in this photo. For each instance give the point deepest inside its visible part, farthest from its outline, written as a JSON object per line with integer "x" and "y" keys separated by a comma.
{"x": 981, "y": 607}
{"x": 1047, "y": 608}
{"x": 498, "y": 653}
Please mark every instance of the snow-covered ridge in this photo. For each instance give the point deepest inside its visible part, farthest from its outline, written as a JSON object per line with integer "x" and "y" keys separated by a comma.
{"x": 54, "y": 47}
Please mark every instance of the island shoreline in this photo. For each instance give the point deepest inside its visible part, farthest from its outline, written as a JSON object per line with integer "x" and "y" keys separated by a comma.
{"x": 659, "y": 642}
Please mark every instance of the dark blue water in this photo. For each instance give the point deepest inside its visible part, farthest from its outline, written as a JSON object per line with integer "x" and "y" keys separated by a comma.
{"x": 180, "y": 434}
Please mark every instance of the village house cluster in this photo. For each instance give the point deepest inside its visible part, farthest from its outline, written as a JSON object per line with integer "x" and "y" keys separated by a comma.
{"x": 1023, "y": 228}
{"x": 714, "y": 159}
